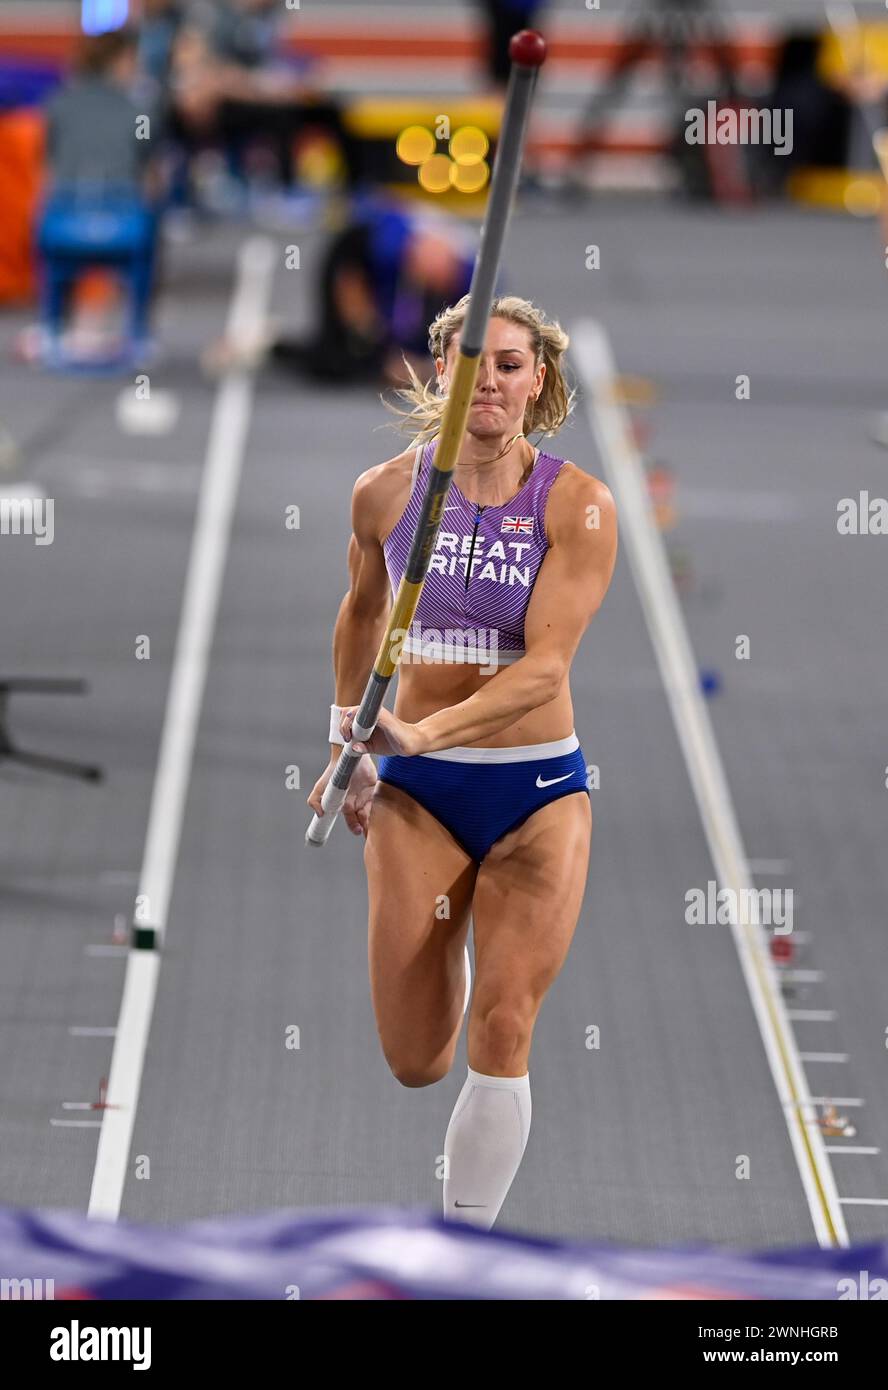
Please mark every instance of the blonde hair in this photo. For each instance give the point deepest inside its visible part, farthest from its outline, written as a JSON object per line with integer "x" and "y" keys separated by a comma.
{"x": 548, "y": 342}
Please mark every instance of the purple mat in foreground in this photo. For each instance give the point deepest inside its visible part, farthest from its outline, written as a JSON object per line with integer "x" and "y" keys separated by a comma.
{"x": 389, "y": 1253}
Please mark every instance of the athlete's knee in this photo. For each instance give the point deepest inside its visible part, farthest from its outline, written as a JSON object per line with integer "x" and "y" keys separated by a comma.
{"x": 415, "y": 1075}
{"x": 505, "y": 1026}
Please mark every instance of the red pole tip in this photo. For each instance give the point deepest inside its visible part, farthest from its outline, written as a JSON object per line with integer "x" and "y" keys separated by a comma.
{"x": 528, "y": 47}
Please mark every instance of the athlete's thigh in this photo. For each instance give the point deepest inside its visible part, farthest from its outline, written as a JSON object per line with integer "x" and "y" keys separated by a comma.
{"x": 528, "y": 896}
{"x": 420, "y": 884}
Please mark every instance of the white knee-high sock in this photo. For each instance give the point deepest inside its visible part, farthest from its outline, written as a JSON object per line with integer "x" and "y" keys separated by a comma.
{"x": 484, "y": 1145}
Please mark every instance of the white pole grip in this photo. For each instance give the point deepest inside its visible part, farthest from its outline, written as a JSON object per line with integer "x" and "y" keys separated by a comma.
{"x": 332, "y": 802}
{"x": 318, "y": 830}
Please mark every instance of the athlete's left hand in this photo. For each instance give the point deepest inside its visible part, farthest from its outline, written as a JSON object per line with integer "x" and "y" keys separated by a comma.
{"x": 391, "y": 735}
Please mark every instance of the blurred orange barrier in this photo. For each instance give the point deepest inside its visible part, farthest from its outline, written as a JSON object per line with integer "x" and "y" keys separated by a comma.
{"x": 21, "y": 171}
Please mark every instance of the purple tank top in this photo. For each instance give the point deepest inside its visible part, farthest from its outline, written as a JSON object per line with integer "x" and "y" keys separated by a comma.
{"x": 480, "y": 577}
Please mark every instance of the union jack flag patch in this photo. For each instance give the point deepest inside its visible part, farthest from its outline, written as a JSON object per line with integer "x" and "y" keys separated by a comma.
{"x": 522, "y": 524}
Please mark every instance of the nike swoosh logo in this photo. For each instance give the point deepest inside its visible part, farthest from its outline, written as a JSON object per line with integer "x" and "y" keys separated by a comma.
{"x": 550, "y": 781}
{"x": 475, "y": 1205}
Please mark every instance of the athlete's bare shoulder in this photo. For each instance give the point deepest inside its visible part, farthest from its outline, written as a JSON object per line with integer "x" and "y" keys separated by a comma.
{"x": 578, "y": 493}
{"x": 380, "y": 494}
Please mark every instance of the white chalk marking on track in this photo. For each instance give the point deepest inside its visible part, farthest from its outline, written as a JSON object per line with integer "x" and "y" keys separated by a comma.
{"x": 838, "y": 1100}
{"x": 158, "y": 413}
{"x": 864, "y": 1201}
{"x": 851, "y": 1149}
{"x": 79, "y": 1031}
{"x": 76, "y": 1124}
{"x": 678, "y": 668}
{"x": 206, "y": 567}
{"x": 811, "y": 1015}
{"x": 824, "y": 1056}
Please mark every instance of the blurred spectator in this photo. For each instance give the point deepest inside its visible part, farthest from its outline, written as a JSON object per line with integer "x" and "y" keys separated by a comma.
{"x": 92, "y": 134}
{"x": 245, "y": 32}
{"x": 505, "y": 18}
{"x": 231, "y": 86}
{"x": 384, "y": 277}
{"x": 159, "y": 27}
{"x": 161, "y": 24}
{"x": 820, "y": 113}
{"x": 854, "y": 62}
{"x": 98, "y": 209}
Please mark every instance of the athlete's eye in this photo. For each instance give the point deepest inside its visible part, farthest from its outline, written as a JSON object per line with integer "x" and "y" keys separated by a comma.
{"x": 512, "y": 366}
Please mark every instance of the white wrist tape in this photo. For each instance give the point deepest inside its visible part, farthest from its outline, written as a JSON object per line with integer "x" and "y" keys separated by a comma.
{"x": 336, "y": 712}
{"x": 358, "y": 732}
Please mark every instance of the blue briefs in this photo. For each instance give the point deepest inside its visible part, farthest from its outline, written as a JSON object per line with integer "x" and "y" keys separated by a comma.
{"x": 479, "y": 794}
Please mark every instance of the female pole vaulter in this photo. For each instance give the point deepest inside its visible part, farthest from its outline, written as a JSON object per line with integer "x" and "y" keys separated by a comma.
{"x": 479, "y": 807}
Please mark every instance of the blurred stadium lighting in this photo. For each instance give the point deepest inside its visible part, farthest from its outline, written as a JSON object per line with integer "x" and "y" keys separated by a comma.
{"x": 98, "y": 16}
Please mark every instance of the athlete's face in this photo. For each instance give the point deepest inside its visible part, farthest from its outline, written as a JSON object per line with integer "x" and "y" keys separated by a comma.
{"x": 507, "y": 379}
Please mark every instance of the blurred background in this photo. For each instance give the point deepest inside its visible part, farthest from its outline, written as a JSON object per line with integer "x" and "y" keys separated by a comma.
{"x": 224, "y": 226}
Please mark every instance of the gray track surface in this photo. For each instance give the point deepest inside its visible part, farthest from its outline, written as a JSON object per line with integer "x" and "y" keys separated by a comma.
{"x": 637, "y": 1141}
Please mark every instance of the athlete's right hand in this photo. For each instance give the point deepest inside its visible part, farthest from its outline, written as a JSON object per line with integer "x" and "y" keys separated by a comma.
{"x": 356, "y": 807}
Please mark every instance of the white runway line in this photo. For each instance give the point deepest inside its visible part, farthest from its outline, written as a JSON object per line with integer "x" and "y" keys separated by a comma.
{"x": 206, "y": 567}
{"x": 678, "y": 669}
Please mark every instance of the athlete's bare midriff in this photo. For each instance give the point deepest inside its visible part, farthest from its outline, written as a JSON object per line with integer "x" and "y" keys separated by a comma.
{"x": 426, "y": 686}
{"x": 423, "y": 690}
